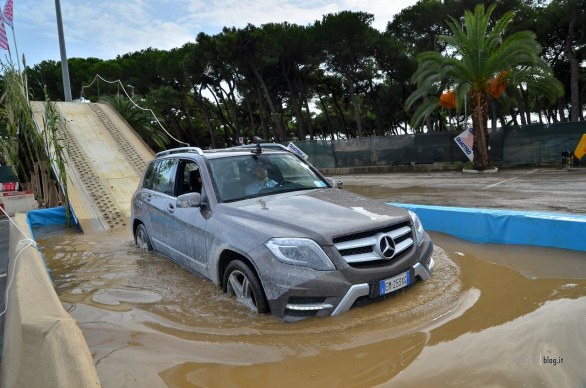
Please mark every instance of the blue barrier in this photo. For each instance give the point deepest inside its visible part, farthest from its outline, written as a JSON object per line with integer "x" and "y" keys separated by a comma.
{"x": 566, "y": 231}
{"x": 45, "y": 217}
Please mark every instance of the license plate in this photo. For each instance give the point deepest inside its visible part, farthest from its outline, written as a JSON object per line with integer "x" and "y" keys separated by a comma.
{"x": 395, "y": 283}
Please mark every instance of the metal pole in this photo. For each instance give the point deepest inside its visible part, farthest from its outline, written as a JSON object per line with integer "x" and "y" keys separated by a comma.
{"x": 465, "y": 99}
{"x": 64, "y": 66}
{"x": 15, "y": 48}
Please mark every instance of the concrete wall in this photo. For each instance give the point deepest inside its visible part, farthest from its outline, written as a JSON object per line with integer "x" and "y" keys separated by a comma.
{"x": 43, "y": 346}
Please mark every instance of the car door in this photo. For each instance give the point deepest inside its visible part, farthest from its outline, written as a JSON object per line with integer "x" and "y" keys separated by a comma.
{"x": 190, "y": 239}
{"x": 161, "y": 201}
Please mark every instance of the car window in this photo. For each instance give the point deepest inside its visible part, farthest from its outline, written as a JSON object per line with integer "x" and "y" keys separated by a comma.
{"x": 189, "y": 177}
{"x": 227, "y": 178}
{"x": 247, "y": 176}
{"x": 161, "y": 177}
{"x": 147, "y": 182}
{"x": 293, "y": 170}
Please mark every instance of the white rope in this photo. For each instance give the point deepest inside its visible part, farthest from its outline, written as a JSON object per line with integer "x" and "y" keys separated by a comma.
{"x": 27, "y": 242}
{"x": 99, "y": 77}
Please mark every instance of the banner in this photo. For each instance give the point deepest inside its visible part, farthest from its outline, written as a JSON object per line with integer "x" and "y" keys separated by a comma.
{"x": 465, "y": 141}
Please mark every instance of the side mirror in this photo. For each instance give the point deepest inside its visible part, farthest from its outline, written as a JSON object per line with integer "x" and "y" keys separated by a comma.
{"x": 188, "y": 200}
{"x": 334, "y": 183}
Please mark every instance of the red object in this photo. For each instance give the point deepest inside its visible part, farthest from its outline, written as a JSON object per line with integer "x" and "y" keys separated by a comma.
{"x": 8, "y": 13}
{"x": 3, "y": 37}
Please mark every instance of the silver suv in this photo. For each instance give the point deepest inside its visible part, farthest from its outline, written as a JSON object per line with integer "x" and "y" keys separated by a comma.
{"x": 266, "y": 226}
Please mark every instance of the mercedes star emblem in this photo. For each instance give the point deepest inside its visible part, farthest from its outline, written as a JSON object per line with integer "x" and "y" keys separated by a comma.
{"x": 385, "y": 246}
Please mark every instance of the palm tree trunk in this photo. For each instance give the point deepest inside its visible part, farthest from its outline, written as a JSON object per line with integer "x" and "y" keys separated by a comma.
{"x": 574, "y": 70}
{"x": 479, "y": 107}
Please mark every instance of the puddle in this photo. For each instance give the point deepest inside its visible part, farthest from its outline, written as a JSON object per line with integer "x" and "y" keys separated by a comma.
{"x": 490, "y": 315}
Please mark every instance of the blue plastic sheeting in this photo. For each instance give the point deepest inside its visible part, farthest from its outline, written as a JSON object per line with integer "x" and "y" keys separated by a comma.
{"x": 567, "y": 231}
{"x": 44, "y": 217}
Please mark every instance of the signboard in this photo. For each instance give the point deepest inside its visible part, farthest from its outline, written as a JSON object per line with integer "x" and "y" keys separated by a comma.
{"x": 296, "y": 150}
{"x": 465, "y": 141}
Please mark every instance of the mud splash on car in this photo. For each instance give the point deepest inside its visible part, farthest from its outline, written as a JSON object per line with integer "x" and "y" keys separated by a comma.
{"x": 150, "y": 323}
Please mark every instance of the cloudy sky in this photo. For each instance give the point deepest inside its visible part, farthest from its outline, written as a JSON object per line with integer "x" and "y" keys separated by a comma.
{"x": 107, "y": 28}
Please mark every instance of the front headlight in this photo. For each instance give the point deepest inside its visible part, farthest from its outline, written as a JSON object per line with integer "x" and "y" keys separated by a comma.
{"x": 418, "y": 227}
{"x": 300, "y": 251}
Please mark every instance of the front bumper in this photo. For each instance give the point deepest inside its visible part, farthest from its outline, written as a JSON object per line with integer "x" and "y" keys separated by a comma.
{"x": 297, "y": 311}
{"x": 364, "y": 289}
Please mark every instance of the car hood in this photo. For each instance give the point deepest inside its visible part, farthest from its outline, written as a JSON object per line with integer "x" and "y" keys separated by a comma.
{"x": 318, "y": 214}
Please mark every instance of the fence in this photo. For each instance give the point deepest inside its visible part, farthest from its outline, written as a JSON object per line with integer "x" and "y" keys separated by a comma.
{"x": 531, "y": 144}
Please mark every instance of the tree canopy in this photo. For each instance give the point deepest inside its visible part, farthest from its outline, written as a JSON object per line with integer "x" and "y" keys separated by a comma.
{"x": 335, "y": 78}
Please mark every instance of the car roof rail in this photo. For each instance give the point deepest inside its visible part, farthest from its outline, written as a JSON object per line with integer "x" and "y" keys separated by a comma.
{"x": 197, "y": 150}
{"x": 263, "y": 145}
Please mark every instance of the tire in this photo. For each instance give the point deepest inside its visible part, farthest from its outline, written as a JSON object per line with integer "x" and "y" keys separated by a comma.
{"x": 243, "y": 283}
{"x": 142, "y": 239}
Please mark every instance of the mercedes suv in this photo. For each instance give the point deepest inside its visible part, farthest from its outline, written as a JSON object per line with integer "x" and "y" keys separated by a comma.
{"x": 269, "y": 228}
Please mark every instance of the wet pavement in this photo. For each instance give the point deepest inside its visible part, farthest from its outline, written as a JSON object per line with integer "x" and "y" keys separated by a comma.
{"x": 531, "y": 189}
{"x": 491, "y": 315}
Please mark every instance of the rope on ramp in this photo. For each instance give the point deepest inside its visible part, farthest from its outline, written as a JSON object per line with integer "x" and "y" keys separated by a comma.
{"x": 120, "y": 85}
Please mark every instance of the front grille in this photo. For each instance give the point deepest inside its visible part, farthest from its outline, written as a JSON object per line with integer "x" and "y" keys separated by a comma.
{"x": 355, "y": 251}
{"x": 360, "y": 249}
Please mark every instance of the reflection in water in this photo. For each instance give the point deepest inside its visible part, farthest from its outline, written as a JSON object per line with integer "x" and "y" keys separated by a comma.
{"x": 150, "y": 323}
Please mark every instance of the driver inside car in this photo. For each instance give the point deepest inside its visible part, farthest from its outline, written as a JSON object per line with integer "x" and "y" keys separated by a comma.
{"x": 261, "y": 180}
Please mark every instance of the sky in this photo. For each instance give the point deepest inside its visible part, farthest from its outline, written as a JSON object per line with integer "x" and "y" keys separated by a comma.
{"x": 106, "y": 28}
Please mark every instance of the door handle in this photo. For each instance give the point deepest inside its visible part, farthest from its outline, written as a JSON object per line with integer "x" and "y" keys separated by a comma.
{"x": 171, "y": 208}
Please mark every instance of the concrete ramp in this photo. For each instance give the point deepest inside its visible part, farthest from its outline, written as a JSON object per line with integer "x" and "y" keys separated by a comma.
{"x": 106, "y": 161}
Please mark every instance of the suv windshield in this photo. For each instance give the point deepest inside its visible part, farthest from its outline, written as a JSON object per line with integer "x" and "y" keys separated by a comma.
{"x": 248, "y": 176}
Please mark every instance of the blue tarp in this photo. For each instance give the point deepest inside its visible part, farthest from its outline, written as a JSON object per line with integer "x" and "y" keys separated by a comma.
{"x": 567, "y": 231}
{"x": 45, "y": 217}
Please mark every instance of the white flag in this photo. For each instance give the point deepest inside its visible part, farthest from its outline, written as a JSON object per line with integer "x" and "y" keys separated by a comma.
{"x": 465, "y": 140}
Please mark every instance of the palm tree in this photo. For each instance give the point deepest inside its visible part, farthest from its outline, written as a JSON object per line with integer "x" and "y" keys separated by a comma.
{"x": 481, "y": 60}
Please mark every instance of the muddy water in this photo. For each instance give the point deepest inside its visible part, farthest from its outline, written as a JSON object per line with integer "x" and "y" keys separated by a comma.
{"x": 491, "y": 315}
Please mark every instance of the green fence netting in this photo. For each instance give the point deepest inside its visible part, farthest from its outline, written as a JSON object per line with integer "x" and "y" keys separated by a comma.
{"x": 532, "y": 144}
